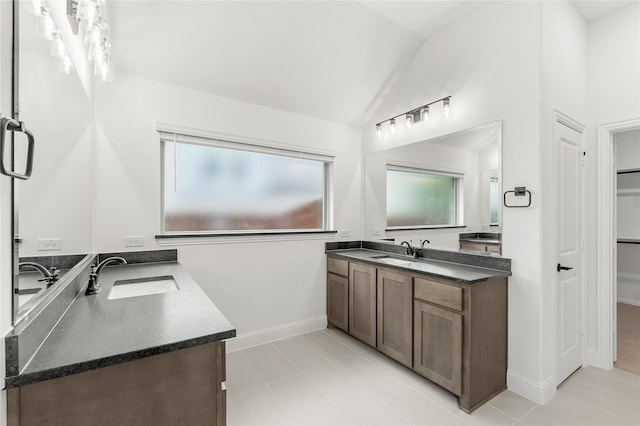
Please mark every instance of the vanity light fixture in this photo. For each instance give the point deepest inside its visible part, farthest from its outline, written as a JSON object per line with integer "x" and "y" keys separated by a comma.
{"x": 420, "y": 114}
{"x": 90, "y": 17}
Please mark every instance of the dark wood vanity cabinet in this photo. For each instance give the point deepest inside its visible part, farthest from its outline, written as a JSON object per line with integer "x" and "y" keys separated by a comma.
{"x": 451, "y": 333}
{"x": 182, "y": 387}
{"x": 395, "y": 316}
{"x": 338, "y": 293}
{"x": 362, "y": 302}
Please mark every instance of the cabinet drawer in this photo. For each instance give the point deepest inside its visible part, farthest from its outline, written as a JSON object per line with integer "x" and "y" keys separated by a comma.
{"x": 438, "y": 293}
{"x": 338, "y": 267}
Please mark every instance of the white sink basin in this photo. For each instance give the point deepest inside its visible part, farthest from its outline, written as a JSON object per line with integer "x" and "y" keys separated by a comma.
{"x": 393, "y": 260}
{"x": 142, "y": 287}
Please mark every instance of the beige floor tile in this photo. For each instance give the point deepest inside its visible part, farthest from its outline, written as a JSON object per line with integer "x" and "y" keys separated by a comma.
{"x": 625, "y": 376}
{"x": 512, "y": 404}
{"x": 486, "y": 416}
{"x": 305, "y": 404}
{"x": 422, "y": 411}
{"x": 541, "y": 416}
{"x": 375, "y": 379}
{"x": 299, "y": 353}
{"x": 258, "y": 406}
{"x": 396, "y": 369}
{"x": 347, "y": 340}
{"x": 328, "y": 346}
{"x": 585, "y": 413}
{"x": 593, "y": 395}
{"x": 378, "y": 414}
{"x": 241, "y": 375}
{"x": 438, "y": 395}
{"x": 347, "y": 395}
{"x": 270, "y": 363}
{"x": 607, "y": 382}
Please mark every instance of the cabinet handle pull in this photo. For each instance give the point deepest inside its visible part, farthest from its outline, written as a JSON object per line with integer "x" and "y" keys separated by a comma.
{"x": 11, "y": 125}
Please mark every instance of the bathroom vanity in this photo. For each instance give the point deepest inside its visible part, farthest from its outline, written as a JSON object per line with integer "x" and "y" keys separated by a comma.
{"x": 445, "y": 320}
{"x": 140, "y": 357}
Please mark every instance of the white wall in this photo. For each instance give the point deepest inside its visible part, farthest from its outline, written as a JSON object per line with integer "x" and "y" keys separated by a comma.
{"x": 627, "y": 147}
{"x": 614, "y": 95}
{"x": 564, "y": 89}
{"x": 489, "y": 61}
{"x": 57, "y": 201}
{"x": 257, "y": 283}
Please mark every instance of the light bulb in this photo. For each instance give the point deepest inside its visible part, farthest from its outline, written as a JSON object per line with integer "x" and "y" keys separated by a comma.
{"x": 65, "y": 64}
{"x": 45, "y": 27}
{"x": 57, "y": 48}
{"x": 409, "y": 120}
{"x": 445, "y": 104}
{"x": 424, "y": 114}
{"x": 379, "y": 130}
{"x": 392, "y": 125}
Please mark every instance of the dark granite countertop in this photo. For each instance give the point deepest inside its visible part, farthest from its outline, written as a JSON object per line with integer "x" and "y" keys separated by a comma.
{"x": 96, "y": 332}
{"x": 465, "y": 274}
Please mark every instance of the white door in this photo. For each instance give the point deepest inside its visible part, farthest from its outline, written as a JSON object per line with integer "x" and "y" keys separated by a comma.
{"x": 568, "y": 138}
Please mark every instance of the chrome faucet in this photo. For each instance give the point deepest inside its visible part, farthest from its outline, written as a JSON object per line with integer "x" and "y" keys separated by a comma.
{"x": 50, "y": 275}
{"x": 93, "y": 286}
{"x": 410, "y": 250}
{"x": 424, "y": 241}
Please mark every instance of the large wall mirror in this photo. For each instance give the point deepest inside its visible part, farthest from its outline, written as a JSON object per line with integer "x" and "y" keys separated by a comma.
{"x": 462, "y": 172}
{"x": 54, "y": 207}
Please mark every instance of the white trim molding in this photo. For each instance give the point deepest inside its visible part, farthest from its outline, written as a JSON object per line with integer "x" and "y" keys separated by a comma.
{"x": 268, "y": 335}
{"x": 606, "y": 239}
{"x": 540, "y": 393}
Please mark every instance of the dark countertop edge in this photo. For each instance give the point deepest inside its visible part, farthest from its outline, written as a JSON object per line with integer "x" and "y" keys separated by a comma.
{"x": 496, "y": 273}
{"x": 241, "y": 234}
{"x": 481, "y": 240}
{"x": 67, "y": 370}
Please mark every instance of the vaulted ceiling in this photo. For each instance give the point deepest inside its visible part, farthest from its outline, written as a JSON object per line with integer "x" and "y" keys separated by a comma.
{"x": 324, "y": 59}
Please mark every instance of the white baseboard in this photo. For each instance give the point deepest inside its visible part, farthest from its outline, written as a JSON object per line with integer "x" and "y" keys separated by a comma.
{"x": 629, "y": 301}
{"x": 268, "y": 335}
{"x": 540, "y": 393}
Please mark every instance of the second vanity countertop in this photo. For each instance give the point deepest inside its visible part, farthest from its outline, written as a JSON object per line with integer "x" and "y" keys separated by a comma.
{"x": 464, "y": 274}
{"x": 97, "y": 332}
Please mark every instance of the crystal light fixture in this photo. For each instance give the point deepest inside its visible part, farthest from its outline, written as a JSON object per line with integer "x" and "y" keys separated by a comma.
{"x": 90, "y": 15}
{"x": 417, "y": 114}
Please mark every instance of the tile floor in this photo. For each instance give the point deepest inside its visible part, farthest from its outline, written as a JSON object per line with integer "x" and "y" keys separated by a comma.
{"x": 328, "y": 378}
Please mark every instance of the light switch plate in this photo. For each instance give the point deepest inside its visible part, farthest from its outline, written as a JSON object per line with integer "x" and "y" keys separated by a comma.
{"x": 49, "y": 244}
{"x": 134, "y": 241}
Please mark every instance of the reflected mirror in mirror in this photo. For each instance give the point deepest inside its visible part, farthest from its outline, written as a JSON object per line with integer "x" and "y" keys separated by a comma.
{"x": 436, "y": 189}
{"x": 54, "y": 206}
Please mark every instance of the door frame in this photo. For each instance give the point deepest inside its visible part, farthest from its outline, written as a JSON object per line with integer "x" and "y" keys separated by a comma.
{"x": 605, "y": 240}
{"x": 561, "y": 118}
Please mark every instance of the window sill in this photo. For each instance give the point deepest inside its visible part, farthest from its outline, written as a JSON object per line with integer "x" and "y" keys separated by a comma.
{"x": 214, "y": 237}
{"x": 424, "y": 228}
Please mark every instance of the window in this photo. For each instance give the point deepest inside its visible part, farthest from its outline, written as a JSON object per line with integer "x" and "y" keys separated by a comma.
{"x": 214, "y": 186}
{"x": 422, "y": 198}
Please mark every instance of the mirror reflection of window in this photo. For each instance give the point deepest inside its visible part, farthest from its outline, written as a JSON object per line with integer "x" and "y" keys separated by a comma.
{"x": 422, "y": 198}
{"x": 494, "y": 195}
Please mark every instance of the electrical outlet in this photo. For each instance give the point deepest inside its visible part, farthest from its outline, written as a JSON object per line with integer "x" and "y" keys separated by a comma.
{"x": 49, "y": 244}
{"x": 134, "y": 241}
{"x": 345, "y": 233}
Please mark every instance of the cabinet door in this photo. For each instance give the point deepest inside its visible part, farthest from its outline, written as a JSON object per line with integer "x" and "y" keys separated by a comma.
{"x": 395, "y": 316}
{"x": 362, "y": 303}
{"x": 466, "y": 245}
{"x": 338, "y": 301}
{"x": 438, "y": 345}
